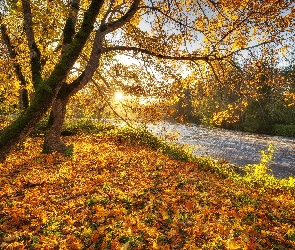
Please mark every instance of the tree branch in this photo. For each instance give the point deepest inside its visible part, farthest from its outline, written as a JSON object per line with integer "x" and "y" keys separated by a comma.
{"x": 75, "y": 48}
{"x": 69, "y": 29}
{"x": 236, "y": 24}
{"x": 246, "y": 48}
{"x": 171, "y": 18}
{"x": 158, "y": 55}
{"x": 97, "y": 46}
{"x": 35, "y": 54}
{"x": 109, "y": 27}
{"x": 16, "y": 65}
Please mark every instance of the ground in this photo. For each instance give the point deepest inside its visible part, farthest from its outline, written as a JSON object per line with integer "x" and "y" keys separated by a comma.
{"x": 112, "y": 193}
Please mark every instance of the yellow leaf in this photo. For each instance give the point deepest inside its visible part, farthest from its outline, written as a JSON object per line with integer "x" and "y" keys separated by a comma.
{"x": 232, "y": 244}
{"x": 165, "y": 215}
{"x": 125, "y": 246}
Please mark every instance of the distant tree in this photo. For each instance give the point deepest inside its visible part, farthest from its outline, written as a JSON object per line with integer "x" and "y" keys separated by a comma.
{"x": 255, "y": 94}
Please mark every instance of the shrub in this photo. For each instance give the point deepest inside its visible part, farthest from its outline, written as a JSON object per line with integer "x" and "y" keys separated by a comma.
{"x": 85, "y": 126}
{"x": 284, "y": 130}
{"x": 144, "y": 137}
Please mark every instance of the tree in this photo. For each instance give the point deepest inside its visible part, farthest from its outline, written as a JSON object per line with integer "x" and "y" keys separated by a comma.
{"x": 255, "y": 94}
{"x": 155, "y": 31}
{"x": 46, "y": 89}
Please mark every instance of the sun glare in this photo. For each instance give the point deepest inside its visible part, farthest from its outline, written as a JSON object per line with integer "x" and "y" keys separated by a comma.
{"x": 119, "y": 96}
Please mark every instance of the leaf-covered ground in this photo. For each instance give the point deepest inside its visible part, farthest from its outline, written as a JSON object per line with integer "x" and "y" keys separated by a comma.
{"x": 114, "y": 195}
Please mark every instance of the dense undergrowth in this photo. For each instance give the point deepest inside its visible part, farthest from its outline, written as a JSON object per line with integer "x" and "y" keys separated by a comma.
{"x": 126, "y": 189}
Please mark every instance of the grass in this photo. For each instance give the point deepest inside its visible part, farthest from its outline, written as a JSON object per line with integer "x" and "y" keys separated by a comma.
{"x": 126, "y": 189}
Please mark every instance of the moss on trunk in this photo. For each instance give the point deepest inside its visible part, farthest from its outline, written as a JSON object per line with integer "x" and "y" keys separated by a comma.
{"x": 24, "y": 124}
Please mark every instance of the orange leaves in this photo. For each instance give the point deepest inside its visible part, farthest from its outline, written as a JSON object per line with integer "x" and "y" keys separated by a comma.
{"x": 115, "y": 195}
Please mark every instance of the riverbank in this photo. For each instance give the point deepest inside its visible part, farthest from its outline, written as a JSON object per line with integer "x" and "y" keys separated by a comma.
{"x": 239, "y": 148}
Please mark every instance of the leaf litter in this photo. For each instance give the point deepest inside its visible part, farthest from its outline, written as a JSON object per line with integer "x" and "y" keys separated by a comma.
{"x": 112, "y": 194}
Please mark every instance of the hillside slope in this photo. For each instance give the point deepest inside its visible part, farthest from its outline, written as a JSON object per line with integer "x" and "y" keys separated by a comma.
{"x": 113, "y": 193}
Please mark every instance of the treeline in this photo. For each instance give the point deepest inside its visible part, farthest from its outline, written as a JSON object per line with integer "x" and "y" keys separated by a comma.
{"x": 255, "y": 97}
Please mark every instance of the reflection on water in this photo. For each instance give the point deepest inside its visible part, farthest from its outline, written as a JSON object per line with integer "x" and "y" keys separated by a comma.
{"x": 237, "y": 147}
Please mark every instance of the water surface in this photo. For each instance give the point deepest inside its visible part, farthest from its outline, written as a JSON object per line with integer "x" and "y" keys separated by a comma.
{"x": 239, "y": 148}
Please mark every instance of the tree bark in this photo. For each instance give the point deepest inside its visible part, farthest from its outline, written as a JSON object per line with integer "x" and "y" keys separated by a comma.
{"x": 23, "y": 125}
{"x": 52, "y": 140}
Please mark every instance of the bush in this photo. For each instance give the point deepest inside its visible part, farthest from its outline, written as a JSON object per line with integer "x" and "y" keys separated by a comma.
{"x": 284, "y": 130}
{"x": 259, "y": 174}
{"x": 72, "y": 128}
{"x": 85, "y": 126}
{"x": 142, "y": 136}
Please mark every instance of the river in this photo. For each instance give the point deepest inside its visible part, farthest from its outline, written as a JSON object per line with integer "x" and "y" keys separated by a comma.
{"x": 239, "y": 148}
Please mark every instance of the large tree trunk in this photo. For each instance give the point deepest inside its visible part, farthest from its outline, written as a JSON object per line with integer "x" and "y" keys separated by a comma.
{"x": 52, "y": 140}
{"x": 24, "y": 124}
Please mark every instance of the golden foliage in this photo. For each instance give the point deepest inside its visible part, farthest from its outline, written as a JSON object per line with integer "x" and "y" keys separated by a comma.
{"x": 114, "y": 195}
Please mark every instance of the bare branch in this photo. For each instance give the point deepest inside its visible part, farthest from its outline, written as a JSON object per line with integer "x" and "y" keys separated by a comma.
{"x": 171, "y": 18}
{"x": 158, "y": 55}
